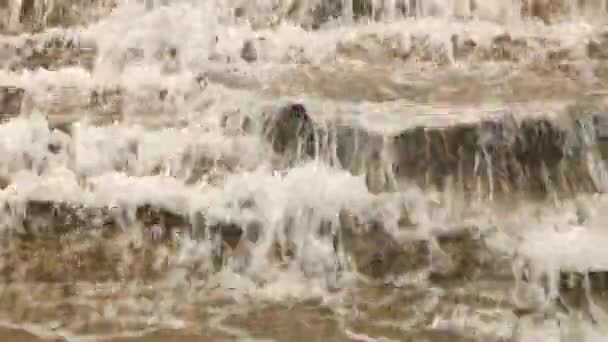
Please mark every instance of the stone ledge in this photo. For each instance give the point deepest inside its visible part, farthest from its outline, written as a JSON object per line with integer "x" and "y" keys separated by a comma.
{"x": 502, "y": 155}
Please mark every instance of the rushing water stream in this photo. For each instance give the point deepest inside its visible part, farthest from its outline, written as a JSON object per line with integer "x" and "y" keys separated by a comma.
{"x": 303, "y": 170}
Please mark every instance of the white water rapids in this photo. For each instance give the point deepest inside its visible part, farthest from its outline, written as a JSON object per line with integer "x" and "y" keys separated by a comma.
{"x": 108, "y": 107}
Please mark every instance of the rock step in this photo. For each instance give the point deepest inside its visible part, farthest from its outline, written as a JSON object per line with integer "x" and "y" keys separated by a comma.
{"x": 31, "y": 16}
{"x": 105, "y": 102}
{"x": 538, "y": 155}
{"x": 94, "y": 237}
{"x": 314, "y": 15}
{"x": 56, "y": 50}
{"x": 36, "y": 15}
{"x": 62, "y": 242}
{"x": 577, "y": 292}
{"x": 453, "y": 256}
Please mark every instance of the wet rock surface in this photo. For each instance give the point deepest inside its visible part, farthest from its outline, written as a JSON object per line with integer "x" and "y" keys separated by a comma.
{"x": 503, "y": 155}
{"x": 249, "y": 51}
{"x": 48, "y": 52}
{"x": 597, "y": 48}
{"x": 321, "y": 13}
{"x": 444, "y": 259}
{"x": 291, "y": 131}
{"x": 533, "y": 155}
{"x": 11, "y": 99}
{"x": 48, "y": 218}
{"x": 545, "y": 10}
{"x": 504, "y": 47}
{"x": 579, "y": 291}
{"x": 36, "y": 15}
{"x": 54, "y": 51}
{"x": 575, "y": 293}
{"x": 373, "y": 251}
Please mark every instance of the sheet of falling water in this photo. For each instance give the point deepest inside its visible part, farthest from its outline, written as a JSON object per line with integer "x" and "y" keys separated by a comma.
{"x": 298, "y": 170}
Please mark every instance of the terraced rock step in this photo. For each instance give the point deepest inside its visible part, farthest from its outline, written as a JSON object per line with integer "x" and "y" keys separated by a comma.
{"x": 560, "y": 155}
{"x": 314, "y": 15}
{"x": 36, "y": 15}
{"x": 50, "y": 192}
{"x": 451, "y": 256}
{"x": 55, "y": 50}
{"x": 575, "y": 292}
{"x": 63, "y": 243}
{"x": 535, "y": 155}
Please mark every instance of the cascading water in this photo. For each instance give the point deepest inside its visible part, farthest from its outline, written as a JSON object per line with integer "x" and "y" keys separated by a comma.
{"x": 334, "y": 170}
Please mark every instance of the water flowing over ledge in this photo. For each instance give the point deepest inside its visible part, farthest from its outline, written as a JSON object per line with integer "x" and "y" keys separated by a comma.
{"x": 377, "y": 170}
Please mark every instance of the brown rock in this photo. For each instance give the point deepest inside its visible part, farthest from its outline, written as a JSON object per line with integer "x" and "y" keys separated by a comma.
{"x": 249, "y": 51}
{"x": 448, "y": 256}
{"x": 289, "y": 129}
{"x": 36, "y": 15}
{"x": 545, "y": 10}
{"x": 535, "y": 156}
{"x": 4, "y": 182}
{"x": 11, "y": 99}
{"x": 504, "y": 47}
{"x": 597, "y": 48}
{"x": 462, "y": 47}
